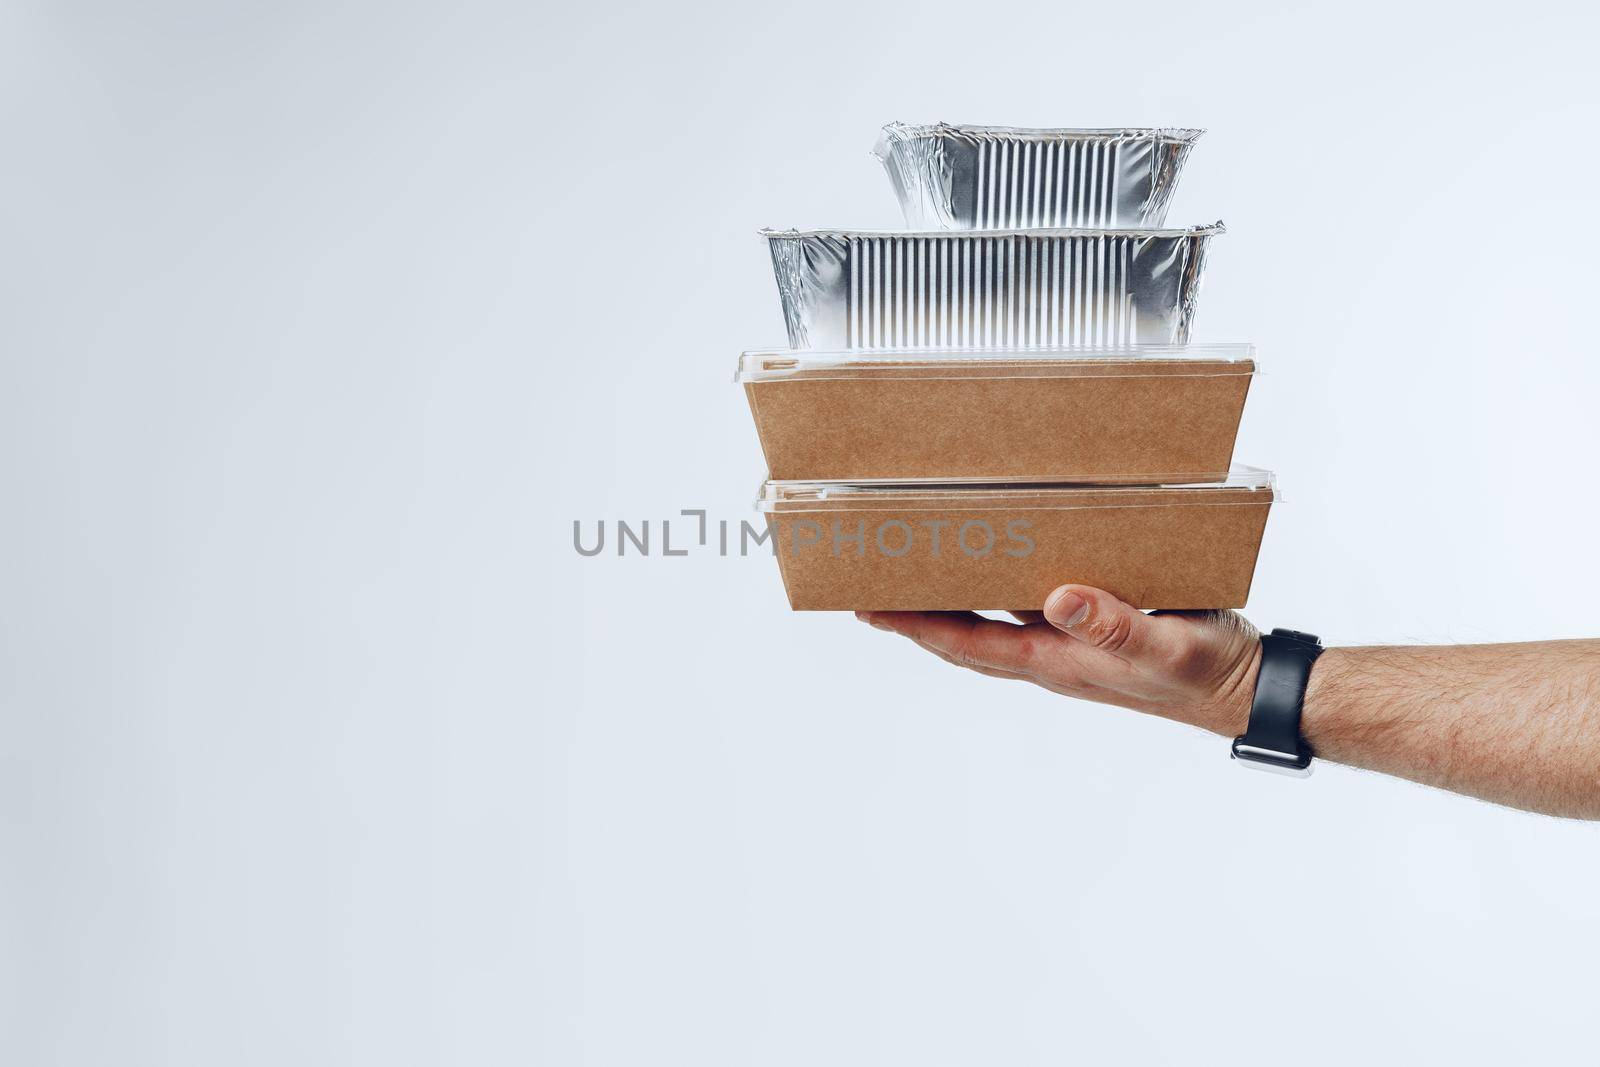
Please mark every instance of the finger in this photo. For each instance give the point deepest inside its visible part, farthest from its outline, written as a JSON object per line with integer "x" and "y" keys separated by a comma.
{"x": 1101, "y": 621}
{"x": 1027, "y": 618}
{"x": 984, "y": 669}
{"x": 967, "y": 639}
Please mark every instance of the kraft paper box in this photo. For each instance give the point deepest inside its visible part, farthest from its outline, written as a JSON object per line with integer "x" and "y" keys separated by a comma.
{"x": 1155, "y": 414}
{"x": 953, "y": 548}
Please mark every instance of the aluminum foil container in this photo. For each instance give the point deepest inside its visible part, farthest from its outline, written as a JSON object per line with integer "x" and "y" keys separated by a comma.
{"x": 995, "y": 177}
{"x": 1002, "y": 289}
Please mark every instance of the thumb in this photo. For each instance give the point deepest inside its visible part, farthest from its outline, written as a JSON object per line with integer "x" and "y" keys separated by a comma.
{"x": 1099, "y": 619}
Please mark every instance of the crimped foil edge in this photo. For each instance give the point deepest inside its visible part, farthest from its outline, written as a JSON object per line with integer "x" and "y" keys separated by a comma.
{"x": 901, "y": 131}
{"x": 1022, "y": 231}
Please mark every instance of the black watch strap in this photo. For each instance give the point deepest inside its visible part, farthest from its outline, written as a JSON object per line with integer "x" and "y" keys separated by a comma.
{"x": 1272, "y": 741}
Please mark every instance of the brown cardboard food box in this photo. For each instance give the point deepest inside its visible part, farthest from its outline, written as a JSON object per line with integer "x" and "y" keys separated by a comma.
{"x": 1167, "y": 414}
{"x": 948, "y": 548}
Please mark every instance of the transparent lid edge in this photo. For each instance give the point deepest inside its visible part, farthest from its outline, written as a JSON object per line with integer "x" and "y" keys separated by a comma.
{"x": 752, "y": 363}
{"x": 777, "y": 491}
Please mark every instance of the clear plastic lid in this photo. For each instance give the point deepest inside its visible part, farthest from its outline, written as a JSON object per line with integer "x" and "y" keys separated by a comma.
{"x": 776, "y": 494}
{"x": 776, "y": 363}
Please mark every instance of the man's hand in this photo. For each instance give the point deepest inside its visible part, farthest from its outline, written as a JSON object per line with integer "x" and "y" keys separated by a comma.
{"x": 1517, "y": 724}
{"x": 1195, "y": 667}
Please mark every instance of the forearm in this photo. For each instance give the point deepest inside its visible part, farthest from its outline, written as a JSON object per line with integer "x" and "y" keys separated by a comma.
{"x": 1516, "y": 724}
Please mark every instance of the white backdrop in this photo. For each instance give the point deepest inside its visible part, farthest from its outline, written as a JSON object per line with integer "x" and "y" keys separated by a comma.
{"x": 320, "y": 744}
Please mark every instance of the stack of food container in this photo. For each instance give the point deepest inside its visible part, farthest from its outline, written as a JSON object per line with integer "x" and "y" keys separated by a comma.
{"x": 1004, "y": 397}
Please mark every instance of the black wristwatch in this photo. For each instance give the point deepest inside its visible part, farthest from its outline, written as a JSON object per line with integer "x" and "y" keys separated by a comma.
{"x": 1272, "y": 741}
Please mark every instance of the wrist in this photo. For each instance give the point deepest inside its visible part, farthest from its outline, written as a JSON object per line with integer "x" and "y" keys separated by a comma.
{"x": 1229, "y": 713}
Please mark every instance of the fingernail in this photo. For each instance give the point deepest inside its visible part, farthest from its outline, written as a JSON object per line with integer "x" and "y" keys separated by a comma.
{"x": 1067, "y": 609}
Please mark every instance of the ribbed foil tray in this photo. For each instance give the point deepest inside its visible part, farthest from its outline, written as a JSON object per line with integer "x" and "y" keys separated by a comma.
{"x": 996, "y": 177}
{"x": 1017, "y": 288}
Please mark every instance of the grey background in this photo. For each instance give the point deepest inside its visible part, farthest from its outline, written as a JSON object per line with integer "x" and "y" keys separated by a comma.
{"x": 319, "y": 743}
